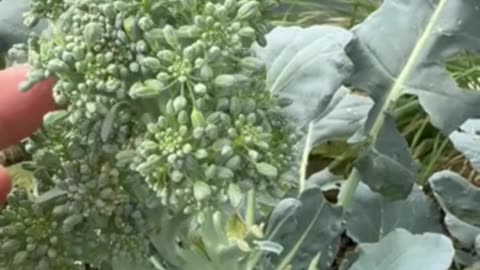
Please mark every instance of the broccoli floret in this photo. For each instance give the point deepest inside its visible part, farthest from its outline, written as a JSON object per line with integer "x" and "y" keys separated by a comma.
{"x": 165, "y": 106}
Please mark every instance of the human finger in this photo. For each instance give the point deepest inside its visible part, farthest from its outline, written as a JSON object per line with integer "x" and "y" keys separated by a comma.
{"x": 21, "y": 113}
{"x": 5, "y": 185}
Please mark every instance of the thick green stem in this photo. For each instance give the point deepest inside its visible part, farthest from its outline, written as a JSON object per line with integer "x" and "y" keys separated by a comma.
{"x": 250, "y": 215}
{"x": 306, "y": 153}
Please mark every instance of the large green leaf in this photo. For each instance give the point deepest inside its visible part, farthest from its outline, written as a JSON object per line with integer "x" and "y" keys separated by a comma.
{"x": 324, "y": 179}
{"x": 467, "y": 141}
{"x": 463, "y": 232}
{"x": 401, "y": 250}
{"x": 372, "y": 216}
{"x": 387, "y": 166}
{"x": 344, "y": 116}
{"x": 457, "y": 196}
{"x": 306, "y": 227}
{"x": 12, "y": 29}
{"x": 466, "y": 258}
{"x": 306, "y": 66}
{"x": 402, "y": 49}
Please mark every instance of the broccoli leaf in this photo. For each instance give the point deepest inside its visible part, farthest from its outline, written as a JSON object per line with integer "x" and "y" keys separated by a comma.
{"x": 387, "y": 166}
{"x": 372, "y": 216}
{"x": 463, "y": 232}
{"x": 306, "y": 66}
{"x": 401, "y": 49}
{"x": 345, "y": 116}
{"x": 406, "y": 55}
{"x": 457, "y": 196}
{"x": 401, "y": 250}
{"x": 306, "y": 227}
{"x": 467, "y": 141}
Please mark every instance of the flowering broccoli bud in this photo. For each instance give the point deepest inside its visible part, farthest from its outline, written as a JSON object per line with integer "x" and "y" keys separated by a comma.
{"x": 165, "y": 106}
{"x": 31, "y": 237}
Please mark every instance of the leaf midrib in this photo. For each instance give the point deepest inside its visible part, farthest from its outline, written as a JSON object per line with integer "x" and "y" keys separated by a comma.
{"x": 297, "y": 245}
{"x": 396, "y": 90}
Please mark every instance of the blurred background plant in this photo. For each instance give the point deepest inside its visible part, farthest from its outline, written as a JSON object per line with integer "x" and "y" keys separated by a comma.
{"x": 344, "y": 13}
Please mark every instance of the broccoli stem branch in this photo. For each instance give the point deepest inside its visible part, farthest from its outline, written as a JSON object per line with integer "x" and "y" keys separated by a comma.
{"x": 250, "y": 215}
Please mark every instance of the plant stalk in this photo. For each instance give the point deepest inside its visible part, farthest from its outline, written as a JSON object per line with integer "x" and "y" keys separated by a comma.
{"x": 306, "y": 153}
{"x": 251, "y": 202}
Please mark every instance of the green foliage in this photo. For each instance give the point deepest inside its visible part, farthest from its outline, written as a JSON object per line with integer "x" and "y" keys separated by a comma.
{"x": 387, "y": 76}
{"x": 401, "y": 250}
{"x": 306, "y": 227}
{"x": 372, "y": 216}
{"x": 295, "y": 56}
{"x": 465, "y": 140}
{"x": 344, "y": 117}
{"x": 180, "y": 141}
{"x": 462, "y": 231}
{"x": 457, "y": 196}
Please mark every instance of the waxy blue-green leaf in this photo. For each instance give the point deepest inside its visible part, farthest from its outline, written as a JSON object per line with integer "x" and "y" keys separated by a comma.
{"x": 457, "y": 196}
{"x": 401, "y": 250}
{"x": 283, "y": 212}
{"x": 463, "y": 232}
{"x": 323, "y": 179}
{"x": 306, "y": 66}
{"x": 344, "y": 117}
{"x": 402, "y": 49}
{"x": 467, "y": 141}
{"x": 372, "y": 216}
{"x": 387, "y": 166}
{"x": 305, "y": 227}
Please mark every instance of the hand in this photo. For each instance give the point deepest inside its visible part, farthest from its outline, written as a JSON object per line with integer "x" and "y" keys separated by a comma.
{"x": 20, "y": 113}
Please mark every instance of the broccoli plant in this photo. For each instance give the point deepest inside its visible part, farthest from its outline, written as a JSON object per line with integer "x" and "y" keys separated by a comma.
{"x": 164, "y": 110}
{"x": 185, "y": 128}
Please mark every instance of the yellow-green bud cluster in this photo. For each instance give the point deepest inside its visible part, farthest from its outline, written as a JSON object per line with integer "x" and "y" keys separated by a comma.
{"x": 30, "y": 238}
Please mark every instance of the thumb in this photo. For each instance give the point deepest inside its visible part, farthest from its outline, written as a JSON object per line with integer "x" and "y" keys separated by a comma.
{"x": 5, "y": 185}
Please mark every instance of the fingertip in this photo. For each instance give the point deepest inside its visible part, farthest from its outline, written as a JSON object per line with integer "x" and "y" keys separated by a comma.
{"x": 21, "y": 113}
{"x": 5, "y": 185}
